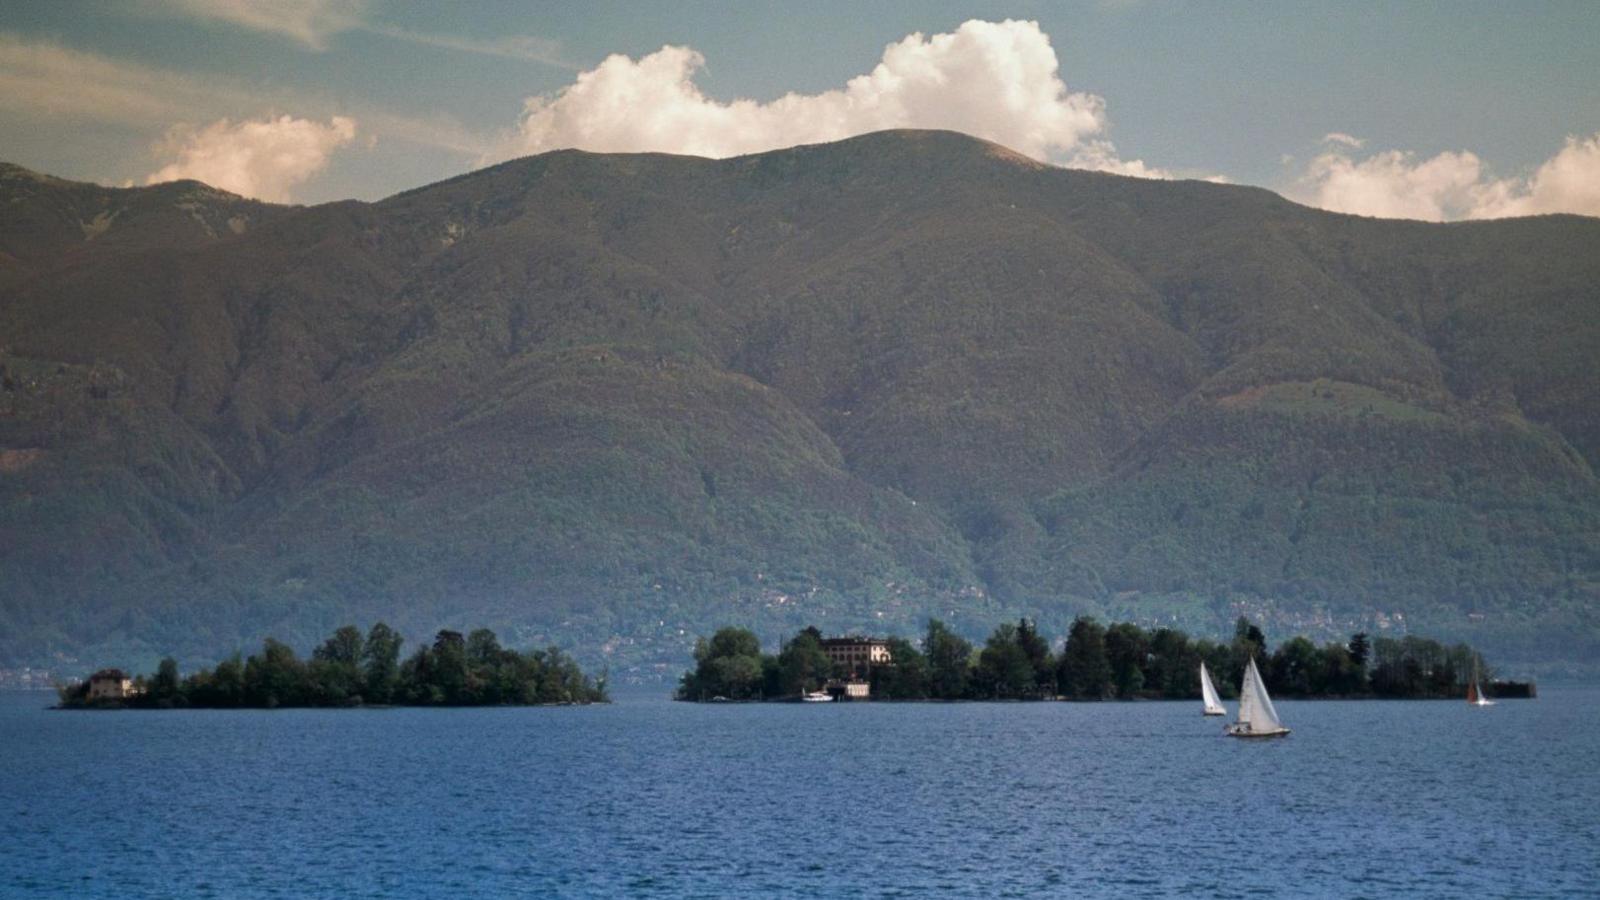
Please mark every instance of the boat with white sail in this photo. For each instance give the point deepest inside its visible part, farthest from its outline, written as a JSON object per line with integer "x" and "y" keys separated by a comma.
{"x": 1208, "y": 693}
{"x": 1257, "y": 717}
{"x": 1475, "y": 695}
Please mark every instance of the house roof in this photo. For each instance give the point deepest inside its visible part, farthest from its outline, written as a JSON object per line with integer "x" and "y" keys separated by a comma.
{"x": 850, "y": 640}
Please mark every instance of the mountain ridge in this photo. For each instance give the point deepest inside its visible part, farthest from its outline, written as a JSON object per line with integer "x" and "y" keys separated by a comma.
{"x": 605, "y": 399}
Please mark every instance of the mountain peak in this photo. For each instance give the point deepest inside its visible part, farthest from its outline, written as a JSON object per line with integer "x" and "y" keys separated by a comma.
{"x": 924, "y": 142}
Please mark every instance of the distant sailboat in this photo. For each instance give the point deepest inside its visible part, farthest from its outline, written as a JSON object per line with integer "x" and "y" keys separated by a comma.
{"x": 1257, "y": 718}
{"x": 1475, "y": 696}
{"x": 1208, "y": 693}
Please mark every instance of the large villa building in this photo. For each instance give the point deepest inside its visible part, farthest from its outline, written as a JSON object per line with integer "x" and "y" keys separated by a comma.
{"x": 110, "y": 684}
{"x": 857, "y": 655}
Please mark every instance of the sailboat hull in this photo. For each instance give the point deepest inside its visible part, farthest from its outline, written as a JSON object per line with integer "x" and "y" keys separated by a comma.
{"x": 1235, "y": 730}
{"x": 1214, "y": 712}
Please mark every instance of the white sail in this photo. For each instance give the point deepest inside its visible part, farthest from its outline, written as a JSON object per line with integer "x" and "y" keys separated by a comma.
{"x": 1208, "y": 693}
{"x": 1257, "y": 717}
{"x": 1475, "y": 694}
{"x": 1266, "y": 714}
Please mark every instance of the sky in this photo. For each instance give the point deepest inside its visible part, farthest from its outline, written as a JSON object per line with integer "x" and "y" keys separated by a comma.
{"x": 1438, "y": 111}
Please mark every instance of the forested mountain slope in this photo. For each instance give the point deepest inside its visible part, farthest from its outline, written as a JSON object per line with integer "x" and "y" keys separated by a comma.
{"x": 610, "y": 401}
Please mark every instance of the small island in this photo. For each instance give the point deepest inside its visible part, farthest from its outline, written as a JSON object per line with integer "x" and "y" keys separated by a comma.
{"x": 350, "y": 669}
{"x": 1123, "y": 662}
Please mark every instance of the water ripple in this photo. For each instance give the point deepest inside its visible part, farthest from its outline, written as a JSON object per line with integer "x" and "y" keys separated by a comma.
{"x": 652, "y": 799}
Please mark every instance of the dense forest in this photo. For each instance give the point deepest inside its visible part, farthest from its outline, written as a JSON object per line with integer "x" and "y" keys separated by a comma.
{"x": 1096, "y": 662}
{"x": 349, "y": 669}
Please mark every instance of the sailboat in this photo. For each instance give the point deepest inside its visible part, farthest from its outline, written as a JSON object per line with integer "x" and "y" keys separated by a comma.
{"x": 1257, "y": 718}
{"x": 1208, "y": 693}
{"x": 1475, "y": 695}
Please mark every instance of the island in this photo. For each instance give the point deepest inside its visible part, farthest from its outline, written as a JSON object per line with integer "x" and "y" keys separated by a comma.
{"x": 1096, "y": 662}
{"x": 350, "y": 669}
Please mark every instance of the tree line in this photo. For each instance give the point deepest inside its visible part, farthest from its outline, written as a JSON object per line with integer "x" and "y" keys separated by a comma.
{"x": 1095, "y": 662}
{"x": 352, "y": 669}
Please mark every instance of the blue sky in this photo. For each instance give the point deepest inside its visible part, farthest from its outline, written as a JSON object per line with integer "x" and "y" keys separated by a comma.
{"x": 1439, "y": 111}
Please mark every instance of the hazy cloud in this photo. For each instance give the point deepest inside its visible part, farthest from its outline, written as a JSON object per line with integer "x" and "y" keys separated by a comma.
{"x": 1452, "y": 185}
{"x": 996, "y": 80}
{"x": 43, "y": 78}
{"x": 515, "y": 46}
{"x": 1339, "y": 137}
{"x": 310, "y": 22}
{"x": 262, "y": 158}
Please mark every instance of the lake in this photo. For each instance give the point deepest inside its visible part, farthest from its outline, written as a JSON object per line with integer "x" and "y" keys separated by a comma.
{"x": 651, "y": 798}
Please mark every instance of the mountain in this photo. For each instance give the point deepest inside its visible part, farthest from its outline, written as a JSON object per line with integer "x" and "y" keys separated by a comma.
{"x": 611, "y": 401}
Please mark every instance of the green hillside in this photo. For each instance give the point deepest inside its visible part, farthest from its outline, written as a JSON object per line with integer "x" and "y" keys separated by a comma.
{"x": 611, "y": 401}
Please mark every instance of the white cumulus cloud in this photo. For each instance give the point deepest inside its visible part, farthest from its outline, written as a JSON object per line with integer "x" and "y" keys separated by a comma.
{"x": 1395, "y": 185}
{"x": 1451, "y": 185}
{"x": 996, "y": 80}
{"x": 1567, "y": 182}
{"x": 261, "y": 158}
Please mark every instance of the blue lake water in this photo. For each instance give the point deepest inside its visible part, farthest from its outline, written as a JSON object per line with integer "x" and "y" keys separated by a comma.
{"x": 651, "y": 798}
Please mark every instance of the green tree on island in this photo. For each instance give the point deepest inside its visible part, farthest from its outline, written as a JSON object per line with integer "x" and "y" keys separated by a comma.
{"x": 275, "y": 678}
{"x": 1085, "y": 671}
{"x": 166, "y": 688}
{"x": 802, "y": 664}
{"x": 1297, "y": 667}
{"x": 381, "y": 661}
{"x": 1127, "y": 652}
{"x": 1173, "y": 667}
{"x": 1037, "y": 648}
{"x": 729, "y": 666}
{"x": 1004, "y": 669}
{"x": 336, "y": 668}
{"x": 905, "y": 677}
{"x": 948, "y": 655}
